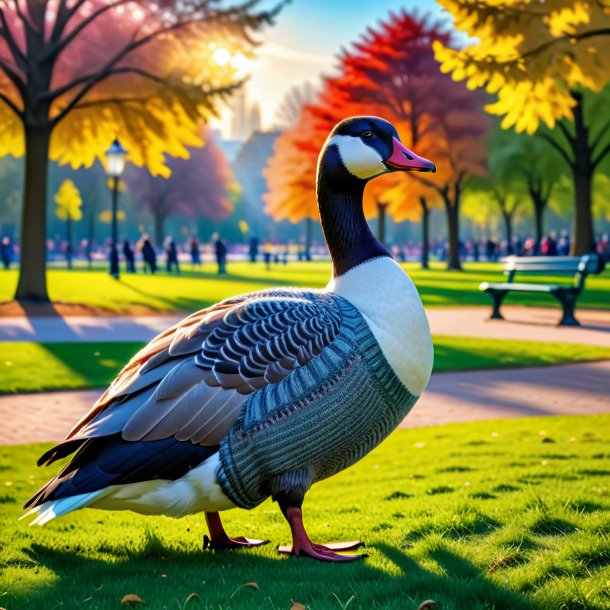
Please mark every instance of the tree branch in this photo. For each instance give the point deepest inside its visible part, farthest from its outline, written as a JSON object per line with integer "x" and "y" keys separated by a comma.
{"x": 566, "y": 132}
{"x": 17, "y": 53}
{"x": 14, "y": 77}
{"x": 557, "y": 147}
{"x": 602, "y": 153}
{"x": 64, "y": 14}
{"x": 11, "y": 105}
{"x": 59, "y": 45}
{"x": 97, "y": 76}
{"x": 600, "y": 134}
{"x": 576, "y": 37}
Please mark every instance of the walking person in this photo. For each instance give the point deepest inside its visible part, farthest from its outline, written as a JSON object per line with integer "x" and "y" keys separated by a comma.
{"x": 195, "y": 253}
{"x": 148, "y": 255}
{"x": 221, "y": 253}
{"x": 6, "y": 252}
{"x": 130, "y": 257}
{"x": 171, "y": 255}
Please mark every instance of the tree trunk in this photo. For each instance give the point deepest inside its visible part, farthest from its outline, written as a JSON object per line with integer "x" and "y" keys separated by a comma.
{"x": 425, "y": 237}
{"x": 308, "y": 231}
{"x": 381, "y": 216}
{"x": 453, "y": 226}
{"x": 69, "y": 242}
{"x": 159, "y": 220}
{"x": 583, "y": 240}
{"x": 32, "y": 283}
{"x": 539, "y": 205}
{"x": 582, "y": 170}
{"x": 508, "y": 229}
{"x": 91, "y": 233}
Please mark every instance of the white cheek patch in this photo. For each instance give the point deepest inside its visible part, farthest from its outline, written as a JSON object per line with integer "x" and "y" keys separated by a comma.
{"x": 359, "y": 159}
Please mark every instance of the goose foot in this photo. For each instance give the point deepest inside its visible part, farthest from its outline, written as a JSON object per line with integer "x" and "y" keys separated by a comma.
{"x": 302, "y": 546}
{"x": 219, "y": 539}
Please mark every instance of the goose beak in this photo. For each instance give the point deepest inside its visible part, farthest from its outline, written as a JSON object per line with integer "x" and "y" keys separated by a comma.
{"x": 406, "y": 160}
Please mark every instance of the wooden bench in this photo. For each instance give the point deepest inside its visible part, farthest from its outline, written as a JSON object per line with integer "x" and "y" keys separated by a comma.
{"x": 566, "y": 294}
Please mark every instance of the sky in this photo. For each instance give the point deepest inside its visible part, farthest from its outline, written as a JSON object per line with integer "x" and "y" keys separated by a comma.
{"x": 305, "y": 41}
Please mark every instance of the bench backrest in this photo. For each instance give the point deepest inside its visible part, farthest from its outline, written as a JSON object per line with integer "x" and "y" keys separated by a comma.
{"x": 577, "y": 266}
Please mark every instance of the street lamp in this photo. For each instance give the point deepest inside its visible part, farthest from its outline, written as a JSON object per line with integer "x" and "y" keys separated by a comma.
{"x": 115, "y": 157}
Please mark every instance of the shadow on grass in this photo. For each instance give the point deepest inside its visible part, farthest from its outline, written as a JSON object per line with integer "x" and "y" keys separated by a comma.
{"x": 165, "y": 576}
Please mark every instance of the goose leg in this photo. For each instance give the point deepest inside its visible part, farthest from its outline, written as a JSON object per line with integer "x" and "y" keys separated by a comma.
{"x": 303, "y": 546}
{"x": 219, "y": 539}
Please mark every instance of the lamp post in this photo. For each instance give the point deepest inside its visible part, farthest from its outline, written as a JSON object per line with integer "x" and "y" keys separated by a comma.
{"x": 115, "y": 156}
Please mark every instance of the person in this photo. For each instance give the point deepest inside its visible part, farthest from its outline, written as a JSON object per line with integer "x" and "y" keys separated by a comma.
{"x": 221, "y": 253}
{"x": 563, "y": 245}
{"x": 490, "y": 250}
{"x": 171, "y": 255}
{"x": 6, "y": 252}
{"x": 253, "y": 250}
{"x": 148, "y": 255}
{"x": 130, "y": 258}
{"x": 195, "y": 254}
{"x": 552, "y": 244}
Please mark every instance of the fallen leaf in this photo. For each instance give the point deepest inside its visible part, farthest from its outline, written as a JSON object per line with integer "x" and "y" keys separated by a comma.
{"x": 131, "y": 598}
{"x": 248, "y": 585}
{"x": 297, "y": 606}
{"x": 190, "y": 598}
{"x": 429, "y": 604}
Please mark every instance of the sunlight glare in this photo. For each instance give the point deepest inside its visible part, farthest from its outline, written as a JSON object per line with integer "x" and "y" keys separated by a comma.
{"x": 221, "y": 56}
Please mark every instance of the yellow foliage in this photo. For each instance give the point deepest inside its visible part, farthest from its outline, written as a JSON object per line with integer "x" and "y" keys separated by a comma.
{"x": 68, "y": 201}
{"x": 155, "y": 100}
{"x": 531, "y": 54}
{"x": 106, "y": 216}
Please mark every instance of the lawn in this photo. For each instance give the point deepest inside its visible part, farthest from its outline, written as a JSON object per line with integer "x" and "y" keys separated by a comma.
{"x": 194, "y": 290}
{"x": 35, "y": 367}
{"x": 510, "y": 515}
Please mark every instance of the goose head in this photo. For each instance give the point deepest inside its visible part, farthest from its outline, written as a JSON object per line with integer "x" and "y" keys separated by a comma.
{"x": 357, "y": 150}
{"x": 364, "y": 147}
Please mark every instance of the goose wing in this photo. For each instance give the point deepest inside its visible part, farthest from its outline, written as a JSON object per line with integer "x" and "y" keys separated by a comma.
{"x": 181, "y": 393}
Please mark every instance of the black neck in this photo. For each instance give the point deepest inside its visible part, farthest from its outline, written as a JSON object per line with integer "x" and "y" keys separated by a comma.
{"x": 346, "y": 231}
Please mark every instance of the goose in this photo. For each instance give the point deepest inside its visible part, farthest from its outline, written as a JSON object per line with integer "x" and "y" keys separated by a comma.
{"x": 263, "y": 394}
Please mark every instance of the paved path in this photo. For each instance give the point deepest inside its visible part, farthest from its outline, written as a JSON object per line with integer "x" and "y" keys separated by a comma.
{"x": 451, "y": 397}
{"x": 534, "y": 323}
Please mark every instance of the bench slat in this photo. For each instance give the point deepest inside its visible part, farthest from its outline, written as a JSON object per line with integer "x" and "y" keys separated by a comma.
{"x": 520, "y": 287}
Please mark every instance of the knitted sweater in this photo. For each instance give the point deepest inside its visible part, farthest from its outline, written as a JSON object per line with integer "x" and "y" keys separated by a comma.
{"x": 323, "y": 417}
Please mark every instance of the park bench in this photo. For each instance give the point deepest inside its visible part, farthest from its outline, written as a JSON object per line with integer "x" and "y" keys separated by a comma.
{"x": 567, "y": 294}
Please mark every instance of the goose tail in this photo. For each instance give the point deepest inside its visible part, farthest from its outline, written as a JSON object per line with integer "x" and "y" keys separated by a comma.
{"x": 57, "y": 508}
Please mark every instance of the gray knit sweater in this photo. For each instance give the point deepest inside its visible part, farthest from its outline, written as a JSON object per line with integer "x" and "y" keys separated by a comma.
{"x": 322, "y": 417}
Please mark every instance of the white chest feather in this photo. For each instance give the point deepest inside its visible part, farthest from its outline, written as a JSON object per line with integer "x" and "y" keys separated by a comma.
{"x": 387, "y": 298}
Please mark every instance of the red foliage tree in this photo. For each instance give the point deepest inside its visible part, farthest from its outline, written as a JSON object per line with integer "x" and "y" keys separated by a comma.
{"x": 393, "y": 67}
{"x": 198, "y": 187}
{"x": 391, "y": 72}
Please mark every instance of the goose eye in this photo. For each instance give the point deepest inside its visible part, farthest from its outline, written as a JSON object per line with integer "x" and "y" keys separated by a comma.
{"x": 367, "y": 135}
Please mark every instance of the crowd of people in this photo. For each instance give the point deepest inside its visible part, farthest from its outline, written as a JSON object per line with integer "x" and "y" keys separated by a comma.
{"x": 145, "y": 257}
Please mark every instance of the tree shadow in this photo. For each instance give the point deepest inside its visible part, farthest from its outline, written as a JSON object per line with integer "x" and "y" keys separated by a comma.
{"x": 166, "y": 576}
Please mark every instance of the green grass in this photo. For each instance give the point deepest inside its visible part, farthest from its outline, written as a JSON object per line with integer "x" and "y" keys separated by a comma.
{"x": 509, "y": 515}
{"x": 192, "y": 291}
{"x": 36, "y": 367}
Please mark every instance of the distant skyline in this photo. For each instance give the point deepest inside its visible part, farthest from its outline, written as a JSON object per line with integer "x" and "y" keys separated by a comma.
{"x": 305, "y": 42}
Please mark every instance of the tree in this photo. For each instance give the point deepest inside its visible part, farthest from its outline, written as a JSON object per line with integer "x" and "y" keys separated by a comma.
{"x": 69, "y": 204}
{"x": 199, "y": 186}
{"x": 390, "y": 72}
{"x": 545, "y": 61}
{"x": 393, "y": 68}
{"x": 75, "y": 74}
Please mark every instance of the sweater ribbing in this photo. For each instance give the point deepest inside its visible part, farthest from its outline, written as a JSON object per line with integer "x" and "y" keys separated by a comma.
{"x": 324, "y": 416}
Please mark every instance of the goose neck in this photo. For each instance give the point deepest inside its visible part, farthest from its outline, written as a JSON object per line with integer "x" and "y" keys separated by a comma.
{"x": 347, "y": 234}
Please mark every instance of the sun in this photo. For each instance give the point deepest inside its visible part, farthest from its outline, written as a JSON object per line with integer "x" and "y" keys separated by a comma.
{"x": 221, "y": 56}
